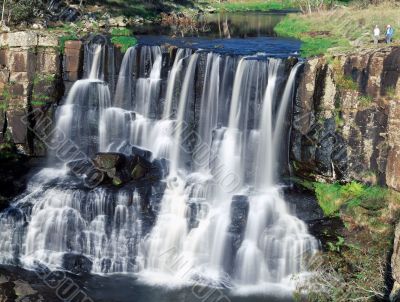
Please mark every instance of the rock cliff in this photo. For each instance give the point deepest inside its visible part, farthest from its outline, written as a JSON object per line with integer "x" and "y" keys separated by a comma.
{"x": 345, "y": 123}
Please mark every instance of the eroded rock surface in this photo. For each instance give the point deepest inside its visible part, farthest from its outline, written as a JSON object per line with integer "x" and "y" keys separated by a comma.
{"x": 345, "y": 124}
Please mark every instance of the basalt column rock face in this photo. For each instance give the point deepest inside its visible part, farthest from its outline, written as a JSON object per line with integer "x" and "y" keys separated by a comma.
{"x": 29, "y": 80}
{"x": 346, "y": 119}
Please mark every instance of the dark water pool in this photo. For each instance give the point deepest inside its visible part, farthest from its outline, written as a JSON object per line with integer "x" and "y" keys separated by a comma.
{"x": 223, "y": 25}
{"x": 59, "y": 286}
{"x": 270, "y": 46}
{"x": 230, "y": 33}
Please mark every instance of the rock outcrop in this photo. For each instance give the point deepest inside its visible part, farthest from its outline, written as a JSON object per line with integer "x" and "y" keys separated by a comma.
{"x": 345, "y": 123}
{"x": 29, "y": 78}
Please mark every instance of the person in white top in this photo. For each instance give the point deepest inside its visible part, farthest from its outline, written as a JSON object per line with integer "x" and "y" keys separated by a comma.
{"x": 377, "y": 33}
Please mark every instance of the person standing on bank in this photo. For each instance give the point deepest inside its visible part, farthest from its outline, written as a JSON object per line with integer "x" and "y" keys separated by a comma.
{"x": 389, "y": 34}
{"x": 377, "y": 33}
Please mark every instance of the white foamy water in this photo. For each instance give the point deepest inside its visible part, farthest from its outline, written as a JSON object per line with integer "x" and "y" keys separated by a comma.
{"x": 219, "y": 218}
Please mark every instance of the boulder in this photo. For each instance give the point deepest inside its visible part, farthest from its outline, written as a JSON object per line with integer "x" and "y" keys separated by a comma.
{"x": 142, "y": 153}
{"x": 108, "y": 161}
{"x": 141, "y": 167}
{"x": 77, "y": 263}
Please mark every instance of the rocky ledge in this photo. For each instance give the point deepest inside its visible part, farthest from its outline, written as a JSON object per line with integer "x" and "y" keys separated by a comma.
{"x": 346, "y": 118}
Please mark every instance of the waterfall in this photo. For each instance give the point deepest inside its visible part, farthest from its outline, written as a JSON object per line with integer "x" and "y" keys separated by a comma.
{"x": 218, "y": 217}
{"x": 176, "y": 68}
{"x": 266, "y": 150}
{"x": 186, "y": 96}
{"x": 123, "y": 91}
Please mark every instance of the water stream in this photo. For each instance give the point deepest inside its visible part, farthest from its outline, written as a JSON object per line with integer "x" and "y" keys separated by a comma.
{"x": 219, "y": 218}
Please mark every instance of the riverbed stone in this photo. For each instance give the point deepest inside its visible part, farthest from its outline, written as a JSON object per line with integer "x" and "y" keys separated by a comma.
{"x": 109, "y": 161}
{"x": 77, "y": 263}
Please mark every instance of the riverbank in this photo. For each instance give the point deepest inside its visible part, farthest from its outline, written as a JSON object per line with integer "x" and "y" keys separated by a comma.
{"x": 339, "y": 30}
{"x": 357, "y": 242}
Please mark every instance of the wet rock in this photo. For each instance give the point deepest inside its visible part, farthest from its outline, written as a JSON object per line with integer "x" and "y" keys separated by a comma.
{"x": 193, "y": 210}
{"x": 14, "y": 169}
{"x": 303, "y": 203}
{"x": 108, "y": 161}
{"x": 77, "y": 264}
{"x": 142, "y": 153}
{"x": 238, "y": 214}
{"x": 80, "y": 166}
{"x": 160, "y": 168}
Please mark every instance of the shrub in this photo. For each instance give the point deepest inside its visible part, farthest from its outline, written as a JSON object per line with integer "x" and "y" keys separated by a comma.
{"x": 18, "y": 11}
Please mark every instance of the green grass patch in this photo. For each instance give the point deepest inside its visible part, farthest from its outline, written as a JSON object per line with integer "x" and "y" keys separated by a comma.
{"x": 124, "y": 42}
{"x": 314, "y": 42}
{"x": 317, "y": 46}
{"x": 38, "y": 103}
{"x": 339, "y": 30}
{"x": 331, "y": 197}
{"x": 255, "y": 6}
{"x": 121, "y": 32}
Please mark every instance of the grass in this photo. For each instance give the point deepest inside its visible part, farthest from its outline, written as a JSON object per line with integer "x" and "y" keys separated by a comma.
{"x": 353, "y": 264}
{"x": 315, "y": 42}
{"x": 331, "y": 197}
{"x": 124, "y": 42}
{"x": 121, "y": 32}
{"x": 341, "y": 29}
{"x": 260, "y": 6}
{"x": 123, "y": 38}
{"x": 342, "y": 81}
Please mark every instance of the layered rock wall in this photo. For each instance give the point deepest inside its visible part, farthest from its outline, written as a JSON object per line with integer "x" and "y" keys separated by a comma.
{"x": 346, "y": 119}
{"x": 30, "y": 77}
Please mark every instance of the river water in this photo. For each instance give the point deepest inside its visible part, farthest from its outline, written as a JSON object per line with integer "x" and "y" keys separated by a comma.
{"x": 218, "y": 109}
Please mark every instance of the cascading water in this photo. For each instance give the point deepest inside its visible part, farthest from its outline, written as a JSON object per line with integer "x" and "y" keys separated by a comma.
{"x": 221, "y": 218}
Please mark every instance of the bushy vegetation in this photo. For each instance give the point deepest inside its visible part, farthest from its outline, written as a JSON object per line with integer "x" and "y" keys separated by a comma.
{"x": 342, "y": 28}
{"x": 17, "y": 11}
{"x": 353, "y": 264}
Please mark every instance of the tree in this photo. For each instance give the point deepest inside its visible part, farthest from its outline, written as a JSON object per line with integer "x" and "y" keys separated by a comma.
{"x": 2, "y": 12}
{"x": 308, "y": 6}
{"x": 17, "y": 11}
